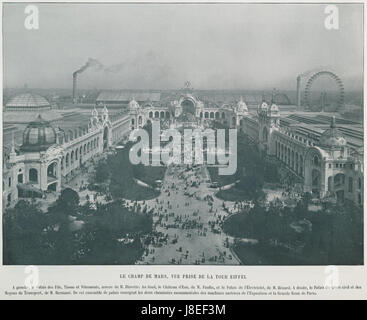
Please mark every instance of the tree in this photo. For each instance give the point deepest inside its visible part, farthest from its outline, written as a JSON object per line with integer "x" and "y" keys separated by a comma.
{"x": 271, "y": 173}
{"x": 68, "y": 200}
{"x": 121, "y": 173}
{"x": 67, "y": 204}
{"x": 251, "y": 184}
{"x": 24, "y": 228}
{"x": 102, "y": 172}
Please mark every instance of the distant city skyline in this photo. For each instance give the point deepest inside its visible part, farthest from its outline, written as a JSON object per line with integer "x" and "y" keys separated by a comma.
{"x": 158, "y": 46}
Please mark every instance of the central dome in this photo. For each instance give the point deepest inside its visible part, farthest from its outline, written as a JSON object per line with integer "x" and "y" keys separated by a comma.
{"x": 39, "y": 135}
{"x": 332, "y": 137}
{"x": 133, "y": 105}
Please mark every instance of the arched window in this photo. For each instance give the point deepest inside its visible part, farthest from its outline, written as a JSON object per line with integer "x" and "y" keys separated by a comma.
{"x": 33, "y": 175}
{"x": 329, "y": 183}
{"x": 52, "y": 170}
{"x": 350, "y": 184}
{"x": 223, "y": 115}
{"x": 316, "y": 179}
{"x": 151, "y": 114}
{"x": 296, "y": 168}
{"x": 67, "y": 161}
{"x": 301, "y": 165}
{"x": 162, "y": 114}
{"x": 156, "y": 114}
{"x": 285, "y": 154}
{"x": 359, "y": 183}
{"x": 339, "y": 179}
{"x": 279, "y": 150}
{"x": 315, "y": 160}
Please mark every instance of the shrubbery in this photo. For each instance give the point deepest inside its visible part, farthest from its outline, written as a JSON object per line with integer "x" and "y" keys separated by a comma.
{"x": 335, "y": 236}
{"x": 34, "y": 237}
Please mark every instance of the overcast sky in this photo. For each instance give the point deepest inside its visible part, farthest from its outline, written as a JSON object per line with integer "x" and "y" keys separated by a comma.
{"x": 160, "y": 46}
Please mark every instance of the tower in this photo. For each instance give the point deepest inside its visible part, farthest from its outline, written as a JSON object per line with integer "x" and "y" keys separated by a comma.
{"x": 299, "y": 92}
{"x": 268, "y": 123}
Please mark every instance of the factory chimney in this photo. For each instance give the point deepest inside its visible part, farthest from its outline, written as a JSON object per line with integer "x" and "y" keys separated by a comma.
{"x": 75, "y": 78}
{"x": 299, "y": 91}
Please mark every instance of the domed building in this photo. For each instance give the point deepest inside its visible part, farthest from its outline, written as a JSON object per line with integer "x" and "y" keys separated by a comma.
{"x": 27, "y": 106}
{"x": 332, "y": 138}
{"x": 328, "y": 167}
{"x": 39, "y": 135}
{"x": 42, "y": 155}
{"x": 326, "y": 159}
{"x": 273, "y": 110}
{"x": 241, "y": 107}
{"x": 133, "y": 105}
{"x": 263, "y": 108}
{"x": 27, "y": 102}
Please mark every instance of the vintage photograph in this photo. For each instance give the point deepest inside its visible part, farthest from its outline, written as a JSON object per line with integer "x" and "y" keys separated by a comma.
{"x": 182, "y": 134}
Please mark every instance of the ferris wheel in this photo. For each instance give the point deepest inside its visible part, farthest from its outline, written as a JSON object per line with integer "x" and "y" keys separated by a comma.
{"x": 334, "y": 78}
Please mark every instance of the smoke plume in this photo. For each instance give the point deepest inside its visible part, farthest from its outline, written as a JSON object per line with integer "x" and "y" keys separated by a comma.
{"x": 97, "y": 65}
{"x": 91, "y": 63}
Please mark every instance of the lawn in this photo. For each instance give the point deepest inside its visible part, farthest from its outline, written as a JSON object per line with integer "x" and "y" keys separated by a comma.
{"x": 222, "y": 180}
{"x": 149, "y": 174}
{"x": 137, "y": 192}
{"x": 236, "y": 194}
{"x": 118, "y": 174}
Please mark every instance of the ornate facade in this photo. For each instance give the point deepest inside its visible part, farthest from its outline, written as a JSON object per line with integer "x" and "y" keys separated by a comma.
{"x": 327, "y": 159}
{"x": 187, "y": 108}
{"x": 325, "y": 153}
{"x": 49, "y": 155}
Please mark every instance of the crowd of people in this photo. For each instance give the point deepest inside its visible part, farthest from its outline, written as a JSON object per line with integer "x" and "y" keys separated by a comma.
{"x": 177, "y": 223}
